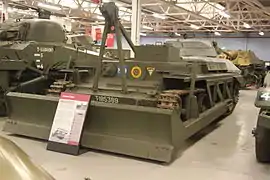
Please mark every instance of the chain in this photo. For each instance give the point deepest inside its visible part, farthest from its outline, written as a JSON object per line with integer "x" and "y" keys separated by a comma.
{"x": 59, "y": 86}
{"x": 171, "y": 99}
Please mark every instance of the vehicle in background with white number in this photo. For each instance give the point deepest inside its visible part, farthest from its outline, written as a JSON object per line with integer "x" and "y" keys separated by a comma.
{"x": 262, "y": 130}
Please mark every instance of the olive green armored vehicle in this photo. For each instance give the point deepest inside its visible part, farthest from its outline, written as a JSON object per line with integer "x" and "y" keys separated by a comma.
{"x": 144, "y": 107}
{"x": 252, "y": 68}
{"x": 262, "y": 130}
{"x": 34, "y": 49}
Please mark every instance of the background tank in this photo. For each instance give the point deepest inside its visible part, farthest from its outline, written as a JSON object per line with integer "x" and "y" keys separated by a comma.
{"x": 262, "y": 129}
{"x": 252, "y": 68}
{"x": 30, "y": 49}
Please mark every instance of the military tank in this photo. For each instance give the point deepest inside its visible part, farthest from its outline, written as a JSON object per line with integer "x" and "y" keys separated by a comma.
{"x": 144, "y": 107}
{"x": 253, "y": 69}
{"x": 262, "y": 130}
{"x": 29, "y": 49}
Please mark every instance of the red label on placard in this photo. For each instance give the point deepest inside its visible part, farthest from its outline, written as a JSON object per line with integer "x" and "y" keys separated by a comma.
{"x": 77, "y": 97}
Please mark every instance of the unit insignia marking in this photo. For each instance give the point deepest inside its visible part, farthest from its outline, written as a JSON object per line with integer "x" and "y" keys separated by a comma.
{"x": 150, "y": 70}
{"x": 136, "y": 72}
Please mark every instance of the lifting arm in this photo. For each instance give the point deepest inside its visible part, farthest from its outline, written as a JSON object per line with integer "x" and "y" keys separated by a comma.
{"x": 112, "y": 25}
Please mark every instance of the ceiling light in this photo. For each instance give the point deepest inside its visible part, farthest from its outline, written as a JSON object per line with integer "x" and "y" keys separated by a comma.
{"x": 118, "y": 4}
{"x": 247, "y": 26}
{"x": 177, "y": 34}
{"x": 143, "y": 34}
{"x": 261, "y": 33}
{"x": 147, "y": 27}
{"x": 48, "y": 6}
{"x": 193, "y": 26}
{"x": 224, "y": 14}
{"x": 100, "y": 17}
{"x": 125, "y": 18}
{"x": 160, "y": 16}
{"x": 217, "y": 33}
{"x": 72, "y": 6}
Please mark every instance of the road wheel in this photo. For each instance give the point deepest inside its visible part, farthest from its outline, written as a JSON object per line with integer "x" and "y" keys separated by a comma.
{"x": 262, "y": 144}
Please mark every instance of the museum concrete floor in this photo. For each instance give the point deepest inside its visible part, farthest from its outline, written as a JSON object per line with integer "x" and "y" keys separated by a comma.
{"x": 224, "y": 151}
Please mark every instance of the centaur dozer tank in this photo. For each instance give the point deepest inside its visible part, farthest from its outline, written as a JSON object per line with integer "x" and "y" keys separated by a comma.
{"x": 32, "y": 49}
{"x": 146, "y": 107}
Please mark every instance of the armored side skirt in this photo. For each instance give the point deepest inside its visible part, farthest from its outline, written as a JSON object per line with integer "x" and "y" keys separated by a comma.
{"x": 144, "y": 132}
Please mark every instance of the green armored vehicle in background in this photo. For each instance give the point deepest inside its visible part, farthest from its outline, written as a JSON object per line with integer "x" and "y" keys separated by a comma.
{"x": 262, "y": 130}
{"x": 30, "y": 50}
{"x": 144, "y": 107}
{"x": 252, "y": 68}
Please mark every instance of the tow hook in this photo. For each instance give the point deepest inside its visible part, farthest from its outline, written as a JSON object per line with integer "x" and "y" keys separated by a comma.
{"x": 254, "y": 132}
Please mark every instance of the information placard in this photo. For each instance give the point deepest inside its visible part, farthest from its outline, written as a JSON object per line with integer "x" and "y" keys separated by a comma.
{"x": 68, "y": 123}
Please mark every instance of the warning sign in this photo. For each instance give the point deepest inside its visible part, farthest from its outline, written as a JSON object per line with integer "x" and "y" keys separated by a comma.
{"x": 150, "y": 70}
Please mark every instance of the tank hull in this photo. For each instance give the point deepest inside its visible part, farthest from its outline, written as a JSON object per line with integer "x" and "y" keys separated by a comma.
{"x": 144, "y": 132}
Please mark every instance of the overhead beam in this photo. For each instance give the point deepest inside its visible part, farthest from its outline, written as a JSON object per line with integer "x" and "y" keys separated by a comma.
{"x": 198, "y": 15}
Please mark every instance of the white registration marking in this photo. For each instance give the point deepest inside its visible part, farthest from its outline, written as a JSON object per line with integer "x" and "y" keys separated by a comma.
{"x": 107, "y": 99}
{"x": 266, "y": 96}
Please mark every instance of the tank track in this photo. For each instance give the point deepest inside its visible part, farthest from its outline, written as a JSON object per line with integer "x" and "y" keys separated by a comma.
{"x": 59, "y": 86}
{"x": 172, "y": 99}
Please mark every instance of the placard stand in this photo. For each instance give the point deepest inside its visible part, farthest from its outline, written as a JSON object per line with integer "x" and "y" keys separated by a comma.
{"x": 68, "y": 123}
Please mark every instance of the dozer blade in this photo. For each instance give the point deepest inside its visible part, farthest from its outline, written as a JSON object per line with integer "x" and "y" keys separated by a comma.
{"x": 16, "y": 165}
{"x": 143, "y": 132}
